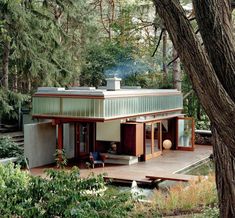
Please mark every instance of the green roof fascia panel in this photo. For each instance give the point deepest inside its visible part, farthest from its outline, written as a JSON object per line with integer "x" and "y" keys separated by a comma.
{"x": 121, "y": 107}
{"x": 68, "y": 107}
{"x": 105, "y": 108}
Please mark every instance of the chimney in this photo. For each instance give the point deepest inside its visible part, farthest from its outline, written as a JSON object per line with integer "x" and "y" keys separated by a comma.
{"x": 113, "y": 84}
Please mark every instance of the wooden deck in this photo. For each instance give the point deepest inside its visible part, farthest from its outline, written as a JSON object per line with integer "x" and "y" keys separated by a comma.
{"x": 169, "y": 163}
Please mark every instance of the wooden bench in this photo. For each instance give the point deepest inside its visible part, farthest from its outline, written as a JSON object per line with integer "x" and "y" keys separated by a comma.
{"x": 173, "y": 177}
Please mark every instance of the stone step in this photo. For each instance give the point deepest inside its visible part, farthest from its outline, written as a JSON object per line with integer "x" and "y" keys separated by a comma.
{"x": 120, "y": 159}
{"x": 16, "y": 140}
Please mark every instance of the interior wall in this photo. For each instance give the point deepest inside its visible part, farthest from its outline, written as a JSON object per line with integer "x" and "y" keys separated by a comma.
{"x": 39, "y": 143}
{"x": 108, "y": 131}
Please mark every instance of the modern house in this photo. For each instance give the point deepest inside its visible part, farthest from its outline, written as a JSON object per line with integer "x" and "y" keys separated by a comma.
{"x": 136, "y": 120}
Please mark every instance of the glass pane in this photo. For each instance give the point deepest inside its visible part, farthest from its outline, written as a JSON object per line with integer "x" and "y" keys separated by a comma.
{"x": 113, "y": 107}
{"x": 84, "y": 137}
{"x": 148, "y": 138}
{"x": 185, "y": 133}
{"x": 156, "y": 146}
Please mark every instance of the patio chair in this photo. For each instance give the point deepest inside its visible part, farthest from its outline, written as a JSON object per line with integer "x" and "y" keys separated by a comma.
{"x": 97, "y": 158}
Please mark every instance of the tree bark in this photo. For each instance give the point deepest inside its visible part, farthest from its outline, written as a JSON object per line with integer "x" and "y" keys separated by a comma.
{"x": 15, "y": 80}
{"x": 218, "y": 39}
{"x": 5, "y": 64}
{"x": 164, "y": 53}
{"x": 225, "y": 176}
{"x": 177, "y": 77}
{"x": 212, "y": 93}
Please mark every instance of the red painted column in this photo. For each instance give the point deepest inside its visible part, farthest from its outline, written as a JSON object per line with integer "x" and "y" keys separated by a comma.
{"x": 60, "y": 140}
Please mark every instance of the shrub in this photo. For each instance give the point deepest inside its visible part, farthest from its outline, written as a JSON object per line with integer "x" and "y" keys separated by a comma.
{"x": 61, "y": 194}
{"x": 210, "y": 212}
{"x": 8, "y": 148}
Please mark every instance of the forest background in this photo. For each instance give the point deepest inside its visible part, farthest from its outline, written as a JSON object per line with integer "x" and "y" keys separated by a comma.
{"x": 80, "y": 43}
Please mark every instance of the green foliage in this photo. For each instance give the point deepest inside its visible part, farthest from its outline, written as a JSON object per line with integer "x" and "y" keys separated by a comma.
{"x": 148, "y": 80}
{"x": 192, "y": 106}
{"x": 10, "y": 103}
{"x": 44, "y": 40}
{"x": 60, "y": 158}
{"x": 98, "y": 59}
{"x": 209, "y": 212}
{"x": 13, "y": 183}
{"x": 61, "y": 194}
{"x": 8, "y": 148}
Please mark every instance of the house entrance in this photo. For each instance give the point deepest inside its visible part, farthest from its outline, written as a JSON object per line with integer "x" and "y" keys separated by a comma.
{"x": 153, "y": 140}
{"x": 83, "y": 139}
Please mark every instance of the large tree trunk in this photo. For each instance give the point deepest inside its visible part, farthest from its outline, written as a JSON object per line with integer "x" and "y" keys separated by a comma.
{"x": 214, "y": 18}
{"x": 212, "y": 92}
{"x": 225, "y": 176}
{"x": 5, "y": 64}
{"x": 177, "y": 78}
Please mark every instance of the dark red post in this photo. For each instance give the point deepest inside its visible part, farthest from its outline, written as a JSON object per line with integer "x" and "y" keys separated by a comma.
{"x": 60, "y": 140}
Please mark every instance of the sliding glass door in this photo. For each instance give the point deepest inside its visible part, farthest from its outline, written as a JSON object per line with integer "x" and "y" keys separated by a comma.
{"x": 153, "y": 140}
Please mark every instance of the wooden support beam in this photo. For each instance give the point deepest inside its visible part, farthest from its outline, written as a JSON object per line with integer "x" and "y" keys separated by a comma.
{"x": 174, "y": 177}
{"x": 60, "y": 140}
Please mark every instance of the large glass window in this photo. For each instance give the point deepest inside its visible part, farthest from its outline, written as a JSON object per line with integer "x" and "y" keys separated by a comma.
{"x": 156, "y": 141}
{"x": 185, "y": 133}
{"x": 148, "y": 138}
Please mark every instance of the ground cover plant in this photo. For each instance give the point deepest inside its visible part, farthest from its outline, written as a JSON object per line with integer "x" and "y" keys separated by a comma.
{"x": 61, "y": 194}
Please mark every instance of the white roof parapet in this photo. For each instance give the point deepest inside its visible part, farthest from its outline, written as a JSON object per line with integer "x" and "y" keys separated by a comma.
{"x": 81, "y": 88}
{"x": 92, "y": 91}
{"x": 50, "y": 89}
{"x": 131, "y": 87}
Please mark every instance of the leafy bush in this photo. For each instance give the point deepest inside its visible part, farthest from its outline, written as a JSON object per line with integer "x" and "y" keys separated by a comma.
{"x": 210, "y": 212}
{"x": 61, "y": 194}
{"x": 8, "y": 148}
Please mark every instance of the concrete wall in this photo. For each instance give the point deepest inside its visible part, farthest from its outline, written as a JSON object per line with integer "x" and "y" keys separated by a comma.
{"x": 69, "y": 139}
{"x": 39, "y": 143}
{"x": 108, "y": 131}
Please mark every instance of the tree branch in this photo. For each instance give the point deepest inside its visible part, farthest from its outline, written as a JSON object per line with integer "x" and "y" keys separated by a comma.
{"x": 172, "y": 61}
{"x": 159, "y": 40}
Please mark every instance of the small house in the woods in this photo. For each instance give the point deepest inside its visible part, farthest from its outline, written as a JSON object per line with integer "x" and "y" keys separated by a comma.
{"x": 117, "y": 120}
